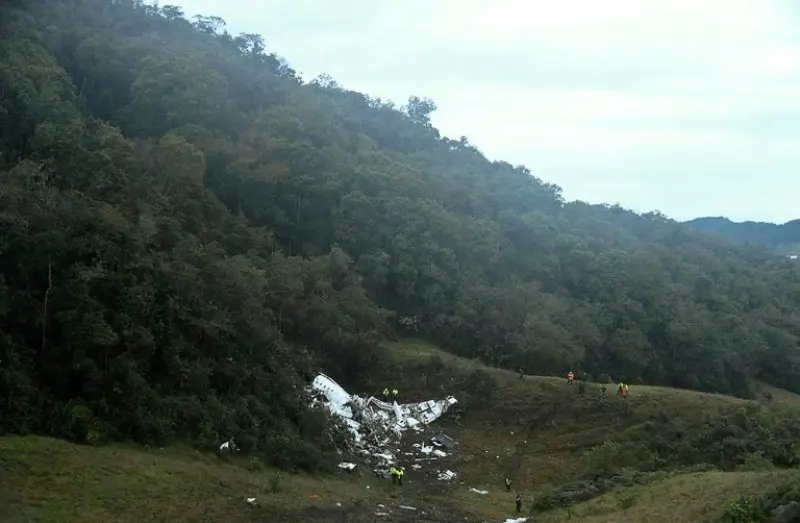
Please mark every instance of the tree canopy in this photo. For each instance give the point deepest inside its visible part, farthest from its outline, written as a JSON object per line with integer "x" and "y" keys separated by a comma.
{"x": 783, "y": 238}
{"x": 189, "y": 230}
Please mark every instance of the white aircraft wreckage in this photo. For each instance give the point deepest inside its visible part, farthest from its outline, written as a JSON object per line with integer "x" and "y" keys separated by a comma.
{"x": 374, "y": 423}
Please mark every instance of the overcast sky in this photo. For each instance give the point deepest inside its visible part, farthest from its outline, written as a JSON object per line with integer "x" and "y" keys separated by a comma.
{"x": 690, "y": 107}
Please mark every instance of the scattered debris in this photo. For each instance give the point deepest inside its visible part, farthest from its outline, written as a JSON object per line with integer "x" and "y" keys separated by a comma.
{"x": 406, "y": 507}
{"x": 347, "y": 465}
{"x": 228, "y": 446}
{"x": 251, "y": 501}
{"x": 447, "y": 475}
{"x": 482, "y": 492}
{"x": 443, "y": 440}
{"x": 374, "y": 423}
{"x": 518, "y": 520}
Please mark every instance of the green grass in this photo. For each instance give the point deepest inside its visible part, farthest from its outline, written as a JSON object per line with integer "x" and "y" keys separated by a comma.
{"x": 685, "y": 498}
{"x": 532, "y": 429}
{"x": 56, "y": 481}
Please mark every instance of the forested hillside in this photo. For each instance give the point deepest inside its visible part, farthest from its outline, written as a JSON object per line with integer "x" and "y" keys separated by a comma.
{"x": 783, "y": 238}
{"x": 188, "y": 230}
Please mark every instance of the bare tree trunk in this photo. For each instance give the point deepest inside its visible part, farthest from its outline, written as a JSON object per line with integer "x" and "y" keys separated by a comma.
{"x": 46, "y": 297}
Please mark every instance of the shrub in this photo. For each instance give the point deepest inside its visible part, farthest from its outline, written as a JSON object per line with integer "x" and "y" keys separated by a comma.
{"x": 604, "y": 378}
{"x": 756, "y": 462}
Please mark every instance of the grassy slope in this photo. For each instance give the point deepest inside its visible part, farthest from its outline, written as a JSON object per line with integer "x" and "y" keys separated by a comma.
{"x": 687, "y": 498}
{"x": 533, "y": 430}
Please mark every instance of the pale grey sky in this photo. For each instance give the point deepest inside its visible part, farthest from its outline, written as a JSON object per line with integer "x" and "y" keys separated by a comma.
{"x": 691, "y": 107}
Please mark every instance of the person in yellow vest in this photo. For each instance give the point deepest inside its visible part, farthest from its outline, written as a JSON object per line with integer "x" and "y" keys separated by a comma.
{"x": 393, "y": 473}
{"x": 625, "y": 391}
{"x": 570, "y": 377}
{"x": 386, "y": 393}
{"x": 400, "y": 473}
{"x": 620, "y": 388}
{"x": 394, "y": 393}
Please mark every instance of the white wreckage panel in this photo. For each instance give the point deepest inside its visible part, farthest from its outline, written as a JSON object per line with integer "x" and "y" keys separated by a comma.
{"x": 373, "y": 422}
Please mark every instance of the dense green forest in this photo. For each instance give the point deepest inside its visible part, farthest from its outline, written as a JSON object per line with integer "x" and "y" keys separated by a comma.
{"x": 189, "y": 230}
{"x": 783, "y": 238}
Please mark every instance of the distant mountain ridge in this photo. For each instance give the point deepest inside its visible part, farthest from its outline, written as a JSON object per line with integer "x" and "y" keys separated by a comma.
{"x": 783, "y": 238}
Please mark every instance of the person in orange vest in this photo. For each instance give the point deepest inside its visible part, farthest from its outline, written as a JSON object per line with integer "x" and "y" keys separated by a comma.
{"x": 570, "y": 377}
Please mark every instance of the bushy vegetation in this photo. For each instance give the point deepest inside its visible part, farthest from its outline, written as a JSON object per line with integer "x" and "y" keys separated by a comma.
{"x": 752, "y": 438}
{"x": 782, "y": 505}
{"x": 188, "y": 231}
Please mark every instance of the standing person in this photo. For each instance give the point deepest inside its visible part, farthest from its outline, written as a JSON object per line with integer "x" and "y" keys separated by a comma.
{"x": 625, "y": 391}
{"x": 570, "y": 377}
{"x": 620, "y": 388}
{"x": 400, "y": 473}
{"x": 519, "y": 503}
{"x": 385, "y": 393}
{"x": 393, "y": 473}
{"x": 508, "y": 485}
{"x": 394, "y": 394}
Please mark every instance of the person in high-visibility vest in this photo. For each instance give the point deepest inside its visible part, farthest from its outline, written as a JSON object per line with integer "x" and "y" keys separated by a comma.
{"x": 625, "y": 391}
{"x": 394, "y": 393}
{"x": 570, "y": 377}
{"x": 385, "y": 392}
{"x": 620, "y": 388}
{"x": 393, "y": 473}
{"x": 400, "y": 473}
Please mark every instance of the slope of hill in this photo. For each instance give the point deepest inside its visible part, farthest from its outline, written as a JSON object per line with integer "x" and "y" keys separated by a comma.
{"x": 783, "y": 238}
{"x": 573, "y": 456}
{"x": 188, "y": 230}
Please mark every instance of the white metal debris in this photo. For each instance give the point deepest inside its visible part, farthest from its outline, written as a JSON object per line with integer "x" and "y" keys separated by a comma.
{"x": 347, "y": 465}
{"x": 250, "y": 501}
{"x": 476, "y": 491}
{"x": 518, "y": 520}
{"x": 374, "y": 423}
{"x": 229, "y": 446}
{"x": 447, "y": 475}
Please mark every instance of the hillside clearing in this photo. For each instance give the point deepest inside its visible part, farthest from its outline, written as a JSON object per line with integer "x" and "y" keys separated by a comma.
{"x": 534, "y": 430}
{"x": 58, "y": 482}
